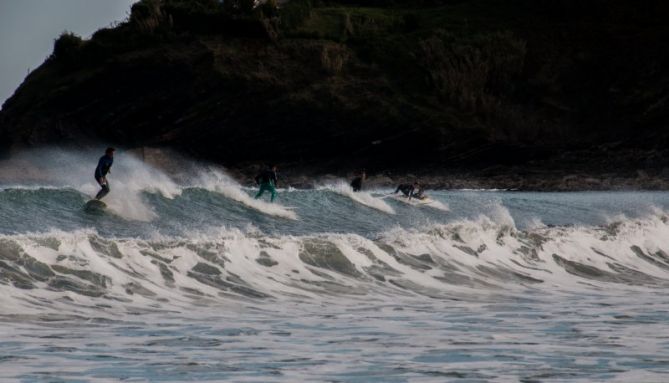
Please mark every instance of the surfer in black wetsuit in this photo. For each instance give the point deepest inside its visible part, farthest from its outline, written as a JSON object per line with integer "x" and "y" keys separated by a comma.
{"x": 104, "y": 166}
{"x": 411, "y": 190}
{"x": 356, "y": 184}
{"x": 267, "y": 182}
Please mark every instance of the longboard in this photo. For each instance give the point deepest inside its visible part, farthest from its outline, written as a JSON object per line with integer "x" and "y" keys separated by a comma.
{"x": 413, "y": 201}
{"x": 427, "y": 201}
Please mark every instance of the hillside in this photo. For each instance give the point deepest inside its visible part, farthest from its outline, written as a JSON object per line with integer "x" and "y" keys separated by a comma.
{"x": 461, "y": 85}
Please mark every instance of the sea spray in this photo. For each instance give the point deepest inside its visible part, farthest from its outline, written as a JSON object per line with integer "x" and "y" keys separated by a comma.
{"x": 360, "y": 197}
{"x": 215, "y": 180}
{"x": 465, "y": 257}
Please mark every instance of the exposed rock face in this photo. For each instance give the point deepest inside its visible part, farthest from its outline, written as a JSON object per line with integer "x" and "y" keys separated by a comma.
{"x": 453, "y": 85}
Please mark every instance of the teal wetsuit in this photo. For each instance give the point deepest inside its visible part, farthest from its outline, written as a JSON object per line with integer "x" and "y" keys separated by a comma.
{"x": 269, "y": 186}
{"x": 267, "y": 181}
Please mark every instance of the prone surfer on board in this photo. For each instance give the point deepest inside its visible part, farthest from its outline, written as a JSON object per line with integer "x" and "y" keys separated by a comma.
{"x": 267, "y": 182}
{"x": 104, "y": 166}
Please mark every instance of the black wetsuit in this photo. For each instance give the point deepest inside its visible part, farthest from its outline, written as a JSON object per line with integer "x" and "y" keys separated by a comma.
{"x": 266, "y": 177}
{"x": 418, "y": 194}
{"x": 411, "y": 191}
{"x": 104, "y": 164}
{"x": 356, "y": 184}
{"x": 406, "y": 189}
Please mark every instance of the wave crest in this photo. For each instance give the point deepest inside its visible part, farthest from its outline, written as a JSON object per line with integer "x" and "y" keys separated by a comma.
{"x": 469, "y": 257}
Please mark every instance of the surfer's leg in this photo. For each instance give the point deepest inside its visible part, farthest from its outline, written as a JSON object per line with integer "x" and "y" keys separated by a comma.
{"x": 103, "y": 192}
{"x": 261, "y": 191}
{"x": 273, "y": 191}
{"x": 102, "y": 181}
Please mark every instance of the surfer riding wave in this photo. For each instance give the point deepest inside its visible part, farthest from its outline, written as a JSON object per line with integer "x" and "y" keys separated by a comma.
{"x": 101, "y": 171}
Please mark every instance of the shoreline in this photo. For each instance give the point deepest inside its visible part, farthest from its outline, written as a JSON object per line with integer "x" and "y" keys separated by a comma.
{"x": 543, "y": 177}
{"x": 516, "y": 179}
{"x": 566, "y": 183}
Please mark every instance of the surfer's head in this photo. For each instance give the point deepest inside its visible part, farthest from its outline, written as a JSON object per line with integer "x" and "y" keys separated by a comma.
{"x": 110, "y": 151}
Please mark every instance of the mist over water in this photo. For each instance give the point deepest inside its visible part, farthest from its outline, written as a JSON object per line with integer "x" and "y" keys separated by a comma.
{"x": 186, "y": 277}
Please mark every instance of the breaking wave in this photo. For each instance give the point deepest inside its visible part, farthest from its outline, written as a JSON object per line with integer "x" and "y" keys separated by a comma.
{"x": 446, "y": 261}
{"x": 171, "y": 240}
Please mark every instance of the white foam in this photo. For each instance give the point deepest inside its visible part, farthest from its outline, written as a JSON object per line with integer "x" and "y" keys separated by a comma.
{"x": 129, "y": 178}
{"x": 427, "y": 202}
{"x": 360, "y": 197}
{"x": 217, "y": 181}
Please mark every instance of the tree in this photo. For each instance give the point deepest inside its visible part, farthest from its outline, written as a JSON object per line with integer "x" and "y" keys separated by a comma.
{"x": 244, "y": 7}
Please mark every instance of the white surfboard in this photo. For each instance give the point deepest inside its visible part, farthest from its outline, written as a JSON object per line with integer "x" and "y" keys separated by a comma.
{"x": 426, "y": 201}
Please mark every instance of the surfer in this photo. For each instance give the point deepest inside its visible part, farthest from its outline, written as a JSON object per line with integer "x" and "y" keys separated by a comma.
{"x": 356, "y": 184}
{"x": 267, "y": 182}
{"x": 104, "y": 166}
{"x": 419, "y": 194}
{"x": 411, "y": 190}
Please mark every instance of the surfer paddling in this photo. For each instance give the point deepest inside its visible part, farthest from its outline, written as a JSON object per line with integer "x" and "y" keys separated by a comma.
{"x": 267, "y": 182}
{"x": 104, "y": 166}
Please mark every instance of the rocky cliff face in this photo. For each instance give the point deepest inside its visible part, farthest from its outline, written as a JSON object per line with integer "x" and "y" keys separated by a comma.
{"x": 462, "y": 84}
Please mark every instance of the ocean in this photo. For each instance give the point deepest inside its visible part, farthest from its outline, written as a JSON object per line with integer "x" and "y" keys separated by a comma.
{"x": 188, "y": 278}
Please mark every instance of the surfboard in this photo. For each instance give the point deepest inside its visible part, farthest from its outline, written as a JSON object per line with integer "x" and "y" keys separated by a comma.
{"x": 95, "y": 206}
{"x": 427, "y": 201}
{"x": 413, "y": 201}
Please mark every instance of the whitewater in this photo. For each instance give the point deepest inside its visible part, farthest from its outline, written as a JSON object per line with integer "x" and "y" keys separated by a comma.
{"x": 186, "y": 277}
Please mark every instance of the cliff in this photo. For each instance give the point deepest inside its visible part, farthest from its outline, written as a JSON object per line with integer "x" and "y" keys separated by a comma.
{"x": 463, "y": 85}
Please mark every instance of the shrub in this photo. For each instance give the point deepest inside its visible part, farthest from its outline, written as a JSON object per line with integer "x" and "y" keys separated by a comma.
{"x": 67, "y": 47}
{"x": 239, "y": 7}
{"x": 477, "y": 75}
{"x": 148, "y": 16}
{"x": 232, "y": 17}
{"x": 294, "y": 13}
{"x": 334, "y": 57}
{"x": 410, "y": 22}
{"x": 471, "y": 73}
{"x": 270, "y": 9}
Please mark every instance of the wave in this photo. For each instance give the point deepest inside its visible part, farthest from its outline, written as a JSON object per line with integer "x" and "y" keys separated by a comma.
{"x": 56, "y": 169}
{"x": 465, "y": 258}
{"x": 427, "y": 202}
{"x": 217, "y": 181}
{"x": 360, "y": 197}
{"x": 130, "y": 179}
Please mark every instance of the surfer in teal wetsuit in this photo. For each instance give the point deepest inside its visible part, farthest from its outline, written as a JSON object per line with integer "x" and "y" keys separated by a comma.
{"x": 267, "y": 181}
{"x": 104, "y": 165}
